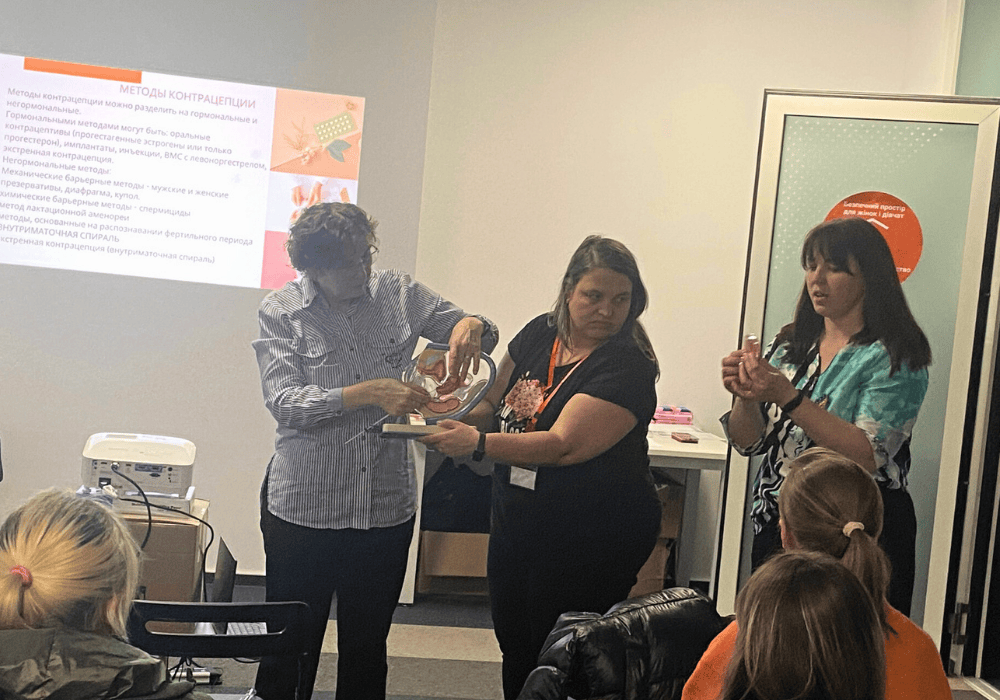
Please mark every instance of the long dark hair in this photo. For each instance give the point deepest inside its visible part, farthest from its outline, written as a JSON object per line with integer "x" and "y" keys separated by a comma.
{"x": 887, "y": 316}
{"x": 600, "y": 252}
{"x": 808, "y": 630}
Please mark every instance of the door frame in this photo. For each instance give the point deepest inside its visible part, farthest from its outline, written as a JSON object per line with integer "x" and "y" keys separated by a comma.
{"x": 974, "y": 345}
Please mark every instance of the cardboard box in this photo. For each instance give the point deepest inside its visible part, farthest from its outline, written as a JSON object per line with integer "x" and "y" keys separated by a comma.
{"x": 652, "y": 574}
{"x": 456, "y": 554}
{"x": 671, "y": 495}
{"x": 655, "y": 573}
{"x": 171, "y": 561}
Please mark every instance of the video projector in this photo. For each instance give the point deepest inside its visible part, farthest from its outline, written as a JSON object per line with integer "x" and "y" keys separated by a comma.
{"x": 162, "y": 466}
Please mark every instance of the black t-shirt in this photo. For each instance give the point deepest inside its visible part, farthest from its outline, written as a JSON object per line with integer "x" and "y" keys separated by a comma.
{"x": 610, "y": 495}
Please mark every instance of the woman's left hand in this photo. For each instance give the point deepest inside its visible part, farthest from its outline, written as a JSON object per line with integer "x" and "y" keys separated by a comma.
{"x": 456, "y": 440}
{"x": 464, "y": 347}
{"x": 760, "y": 381}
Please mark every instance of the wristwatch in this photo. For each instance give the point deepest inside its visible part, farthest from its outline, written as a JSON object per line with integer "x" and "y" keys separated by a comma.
{"x": 480, "y": 451}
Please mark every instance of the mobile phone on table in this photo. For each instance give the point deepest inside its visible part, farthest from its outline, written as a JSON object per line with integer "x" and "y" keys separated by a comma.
{"x": 684, "y": 437}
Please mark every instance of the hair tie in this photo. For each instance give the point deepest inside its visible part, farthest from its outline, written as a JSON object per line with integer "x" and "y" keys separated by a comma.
{"x": 851, "y": 527}
{"x": 23, "y": 573}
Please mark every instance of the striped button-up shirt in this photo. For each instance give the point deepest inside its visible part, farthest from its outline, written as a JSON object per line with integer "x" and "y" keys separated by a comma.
{"x": 327, "y": 472}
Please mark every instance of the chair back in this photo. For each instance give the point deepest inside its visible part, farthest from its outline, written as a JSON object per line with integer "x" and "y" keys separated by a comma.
{"x": 286, "y": 625}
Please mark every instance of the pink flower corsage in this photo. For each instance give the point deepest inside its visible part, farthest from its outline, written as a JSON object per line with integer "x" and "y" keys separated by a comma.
{"x": 524, "y": 397}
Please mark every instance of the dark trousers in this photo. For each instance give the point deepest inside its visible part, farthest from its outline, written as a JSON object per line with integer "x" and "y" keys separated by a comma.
{"x": 365, "y": 568}
{"x": 766, "y": 543}
{"x": 898, "y": 541}
{"x": 529, "y": 591}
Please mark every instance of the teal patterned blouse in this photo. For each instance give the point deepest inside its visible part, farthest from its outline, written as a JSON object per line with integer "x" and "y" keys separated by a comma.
{"x": 856, "y": 386}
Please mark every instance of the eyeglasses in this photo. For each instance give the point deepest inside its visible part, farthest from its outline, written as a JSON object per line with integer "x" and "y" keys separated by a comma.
{"x": 364, "y": 261}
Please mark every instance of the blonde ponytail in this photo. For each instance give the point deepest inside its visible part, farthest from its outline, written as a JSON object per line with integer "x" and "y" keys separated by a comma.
{"x": 66, "y": 561}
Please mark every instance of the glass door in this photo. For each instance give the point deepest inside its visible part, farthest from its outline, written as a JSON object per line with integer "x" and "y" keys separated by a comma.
{"x": 923, "y": 171}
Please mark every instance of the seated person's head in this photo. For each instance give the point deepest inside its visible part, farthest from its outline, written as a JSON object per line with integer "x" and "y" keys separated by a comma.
{"x": 66, "y": 561}
{"x": 808, "y": 629}
{"x": 830, "y": 504}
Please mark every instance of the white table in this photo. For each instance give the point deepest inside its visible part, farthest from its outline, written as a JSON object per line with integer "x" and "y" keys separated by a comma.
{"x": 418, "y": 453}
{"x": 689, "y": 460}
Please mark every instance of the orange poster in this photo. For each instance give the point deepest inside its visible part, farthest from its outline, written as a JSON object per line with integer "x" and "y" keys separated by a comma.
{"x": 894, "y": 219}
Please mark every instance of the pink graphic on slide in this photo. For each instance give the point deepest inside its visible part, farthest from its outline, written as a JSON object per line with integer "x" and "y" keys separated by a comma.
{"x": 276, "y": 270}
{"x": 315, "y": 157}
{"x": 317, "y": 134}
{"x": 288, "y": 197}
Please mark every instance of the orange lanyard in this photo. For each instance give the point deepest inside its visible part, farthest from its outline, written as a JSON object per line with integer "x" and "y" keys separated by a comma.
{"x": 549, "y": 392}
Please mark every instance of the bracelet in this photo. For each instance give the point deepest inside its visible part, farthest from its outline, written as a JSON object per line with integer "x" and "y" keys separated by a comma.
{"x": 794, "y": 403}
{"x": 480, "y": 451}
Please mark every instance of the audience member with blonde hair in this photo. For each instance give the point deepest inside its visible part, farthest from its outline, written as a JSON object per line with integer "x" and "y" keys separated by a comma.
{"x": 68, "y": 571}
{"x": 832, "y": 505}
{"x": 808, "y": 630}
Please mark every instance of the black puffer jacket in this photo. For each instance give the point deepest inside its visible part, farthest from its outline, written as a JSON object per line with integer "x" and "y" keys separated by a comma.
{"x": 641, "y": 648}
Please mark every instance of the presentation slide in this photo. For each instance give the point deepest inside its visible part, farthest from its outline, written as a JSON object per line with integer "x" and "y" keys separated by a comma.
{"x": 136, "y": 173}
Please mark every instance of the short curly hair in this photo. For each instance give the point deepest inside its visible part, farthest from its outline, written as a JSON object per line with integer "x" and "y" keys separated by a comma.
{"x": 327, "y": 233}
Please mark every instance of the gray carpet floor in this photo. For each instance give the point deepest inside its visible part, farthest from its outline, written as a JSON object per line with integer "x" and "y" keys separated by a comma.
{"x": 409, "y": 678}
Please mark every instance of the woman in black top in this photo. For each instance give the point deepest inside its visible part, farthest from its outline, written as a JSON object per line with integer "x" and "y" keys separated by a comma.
{"x": 575, "y": 513}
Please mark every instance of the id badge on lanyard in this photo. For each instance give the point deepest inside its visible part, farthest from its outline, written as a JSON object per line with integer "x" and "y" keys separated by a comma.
{"x": 523, "y": 477}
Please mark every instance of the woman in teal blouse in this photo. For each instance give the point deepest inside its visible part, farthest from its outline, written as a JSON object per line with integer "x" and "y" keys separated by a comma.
{"x": 849, "y": 373}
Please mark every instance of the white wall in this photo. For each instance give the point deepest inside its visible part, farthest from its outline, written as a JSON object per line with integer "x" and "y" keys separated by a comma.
{"x": 639, "y": 120}
{"x": 548, "y": 120}
{"x": 90, "y": 353}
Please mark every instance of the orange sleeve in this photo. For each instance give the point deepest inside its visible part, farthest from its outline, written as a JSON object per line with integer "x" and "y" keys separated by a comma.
{"x": 710, "y": 673}
{"x": 912, "y": 663}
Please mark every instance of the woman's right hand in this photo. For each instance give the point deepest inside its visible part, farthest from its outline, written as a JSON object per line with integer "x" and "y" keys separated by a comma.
{"x": 745, "y": 420}
{"x": 736, "y": 374}
{"x": 762, "y": 382}
{"x": 731, "y": 373}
